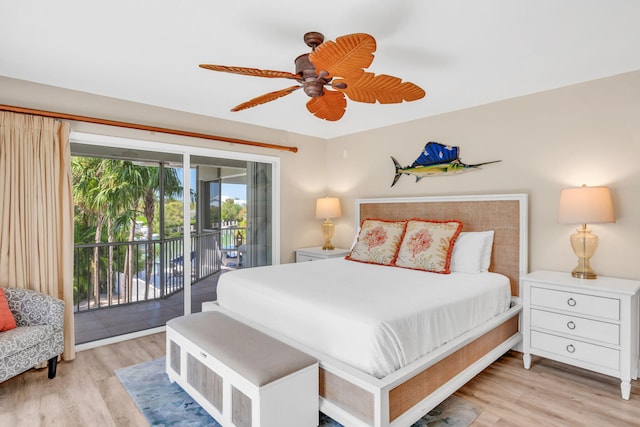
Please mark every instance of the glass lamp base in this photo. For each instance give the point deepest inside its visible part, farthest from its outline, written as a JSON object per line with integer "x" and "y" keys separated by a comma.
{"x": 580, "y": 274}
{"x": 327, "y": 232}
{"x": 584, "y": 245}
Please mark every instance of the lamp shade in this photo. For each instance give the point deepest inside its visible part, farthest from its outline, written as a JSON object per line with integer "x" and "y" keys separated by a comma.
{"x": 585, "y": 205}
{"x": 328, "y": 207}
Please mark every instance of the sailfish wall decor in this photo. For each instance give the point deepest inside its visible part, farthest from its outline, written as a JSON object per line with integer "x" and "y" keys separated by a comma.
{"x": 435, "y": 159}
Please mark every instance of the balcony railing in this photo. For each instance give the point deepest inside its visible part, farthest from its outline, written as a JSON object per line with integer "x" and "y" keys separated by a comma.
{"x": 108, "y": 274}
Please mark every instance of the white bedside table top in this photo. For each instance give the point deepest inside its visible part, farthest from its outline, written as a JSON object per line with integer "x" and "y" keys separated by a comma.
{"x": 317, "y": 250}
{"x": 622, "y": 286}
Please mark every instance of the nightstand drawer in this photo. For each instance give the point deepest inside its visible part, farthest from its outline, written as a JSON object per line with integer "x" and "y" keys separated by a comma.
{"x": 304, "y": 258}
{"x": 576, "y": 326}
{"x": 608, "y": 308}
{"x": 317, "y": 253}
{"x": 577, "y": 350}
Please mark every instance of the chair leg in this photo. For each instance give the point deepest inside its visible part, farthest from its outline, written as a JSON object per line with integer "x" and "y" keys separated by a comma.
{"x": 53, "y": 363}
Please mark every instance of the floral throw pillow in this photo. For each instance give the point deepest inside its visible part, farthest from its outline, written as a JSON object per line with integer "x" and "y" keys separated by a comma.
{"x": 378, "y": 241}
{"x": 427, "y": 245}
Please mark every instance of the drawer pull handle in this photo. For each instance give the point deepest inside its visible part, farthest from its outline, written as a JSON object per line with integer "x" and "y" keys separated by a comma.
{"x": 571, "y": 302}
{"x": 571, "y": 348}
{"x": 571, "y": 325}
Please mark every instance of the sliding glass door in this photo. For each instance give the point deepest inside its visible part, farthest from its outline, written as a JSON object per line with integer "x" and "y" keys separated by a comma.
{"x": 154, "y": 248}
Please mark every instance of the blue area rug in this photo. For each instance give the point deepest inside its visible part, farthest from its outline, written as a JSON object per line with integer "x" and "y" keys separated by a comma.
{"x": 166, "y": 404}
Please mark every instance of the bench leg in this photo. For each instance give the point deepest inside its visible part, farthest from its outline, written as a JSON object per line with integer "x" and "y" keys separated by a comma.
{"x": 53, "y": 363}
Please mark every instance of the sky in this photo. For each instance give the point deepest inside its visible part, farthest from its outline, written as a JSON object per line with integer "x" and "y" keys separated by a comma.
{"x": 234, "y": 191}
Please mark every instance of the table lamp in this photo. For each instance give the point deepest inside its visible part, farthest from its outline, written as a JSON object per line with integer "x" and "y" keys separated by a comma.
{"x": 327, "y": 208}
{"x": 583, "y": 205}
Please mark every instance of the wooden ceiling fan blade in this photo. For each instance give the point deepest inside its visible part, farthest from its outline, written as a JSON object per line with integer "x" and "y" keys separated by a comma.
{"x": 267, "y": 97}
{"x": 382, "y": 88}
{"x": 348, "y": 56}
{"x": 330, "y": 106}
{"x": 250, "y": 71}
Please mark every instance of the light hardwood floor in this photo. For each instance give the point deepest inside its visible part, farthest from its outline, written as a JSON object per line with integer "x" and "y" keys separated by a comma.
{"x": 86, "y": 392}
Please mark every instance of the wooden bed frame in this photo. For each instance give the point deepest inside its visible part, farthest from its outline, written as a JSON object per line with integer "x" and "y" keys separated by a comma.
{"x": 356, "y": 399}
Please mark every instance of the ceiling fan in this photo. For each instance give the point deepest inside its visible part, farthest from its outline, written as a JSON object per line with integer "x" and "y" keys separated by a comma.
{"x": 329, "y": 72}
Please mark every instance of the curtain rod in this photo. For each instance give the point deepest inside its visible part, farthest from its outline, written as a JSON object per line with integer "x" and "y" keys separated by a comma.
{"x": 144, "y": 127}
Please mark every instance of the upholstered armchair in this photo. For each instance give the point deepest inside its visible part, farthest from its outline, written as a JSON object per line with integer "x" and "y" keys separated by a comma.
{"x": 38, "y": 336}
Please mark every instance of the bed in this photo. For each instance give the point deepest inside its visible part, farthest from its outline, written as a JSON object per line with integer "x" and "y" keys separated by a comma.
{"x": 380, "y": 368}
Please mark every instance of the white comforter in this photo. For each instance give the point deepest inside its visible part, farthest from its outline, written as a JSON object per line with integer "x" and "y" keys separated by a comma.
{"x": 374, "y": 318}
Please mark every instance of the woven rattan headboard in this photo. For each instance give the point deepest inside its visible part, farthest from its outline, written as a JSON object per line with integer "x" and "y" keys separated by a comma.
{"x": 506, "y": 214}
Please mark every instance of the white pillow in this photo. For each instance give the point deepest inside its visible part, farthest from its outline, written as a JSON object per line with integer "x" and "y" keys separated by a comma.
{"x": 355, "y": 239}
{"x": 472, "y": 252}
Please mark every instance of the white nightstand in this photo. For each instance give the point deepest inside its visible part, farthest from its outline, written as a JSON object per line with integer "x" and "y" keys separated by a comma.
{"x": 592, "y": 324}
{"x": 316, "y": 253}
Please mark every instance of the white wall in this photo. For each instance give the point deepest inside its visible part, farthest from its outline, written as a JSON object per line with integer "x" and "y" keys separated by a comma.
{"x": 587, "y": 133}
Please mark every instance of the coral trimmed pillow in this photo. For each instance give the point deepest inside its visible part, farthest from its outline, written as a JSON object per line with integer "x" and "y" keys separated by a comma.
{"x": 472, "y": 252}
{"x": 7, "y": 321}
{"x": 427, "y": 245}
{"x": 378, "y": 241}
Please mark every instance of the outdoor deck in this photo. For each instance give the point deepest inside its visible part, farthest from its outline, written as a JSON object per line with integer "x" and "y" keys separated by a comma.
{"x": 103, "y": 323}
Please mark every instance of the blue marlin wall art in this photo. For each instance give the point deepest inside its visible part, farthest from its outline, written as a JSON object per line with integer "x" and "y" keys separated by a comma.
{"x": 435, "y": 159}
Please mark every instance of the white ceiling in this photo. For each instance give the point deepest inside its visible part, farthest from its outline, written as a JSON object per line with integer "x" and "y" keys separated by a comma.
{"x": 462, "y": 52}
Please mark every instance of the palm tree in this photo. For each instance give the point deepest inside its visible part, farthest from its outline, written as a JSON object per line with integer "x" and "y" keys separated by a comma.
{"x": 86, "y": 186}
{"x": 110, "y": 192}
{"x": 121, "y": 194}
{"x": 106, "y": 191}
{"x": 172, "y": 188}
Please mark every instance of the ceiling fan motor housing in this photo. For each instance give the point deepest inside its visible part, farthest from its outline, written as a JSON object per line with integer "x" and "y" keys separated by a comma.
{"x": 312, "y": 84}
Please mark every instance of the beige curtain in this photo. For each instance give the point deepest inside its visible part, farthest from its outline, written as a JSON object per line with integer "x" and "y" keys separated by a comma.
{"x": 36, "y": 210}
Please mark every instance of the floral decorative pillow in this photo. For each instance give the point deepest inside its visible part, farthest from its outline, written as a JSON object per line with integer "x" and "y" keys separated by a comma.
{"x": 378, "y": 241}
{"x": 427, "y": 245}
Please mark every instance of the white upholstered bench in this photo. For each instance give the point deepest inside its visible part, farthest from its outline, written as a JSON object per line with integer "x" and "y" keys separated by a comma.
{"x": 241, "y": 376}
